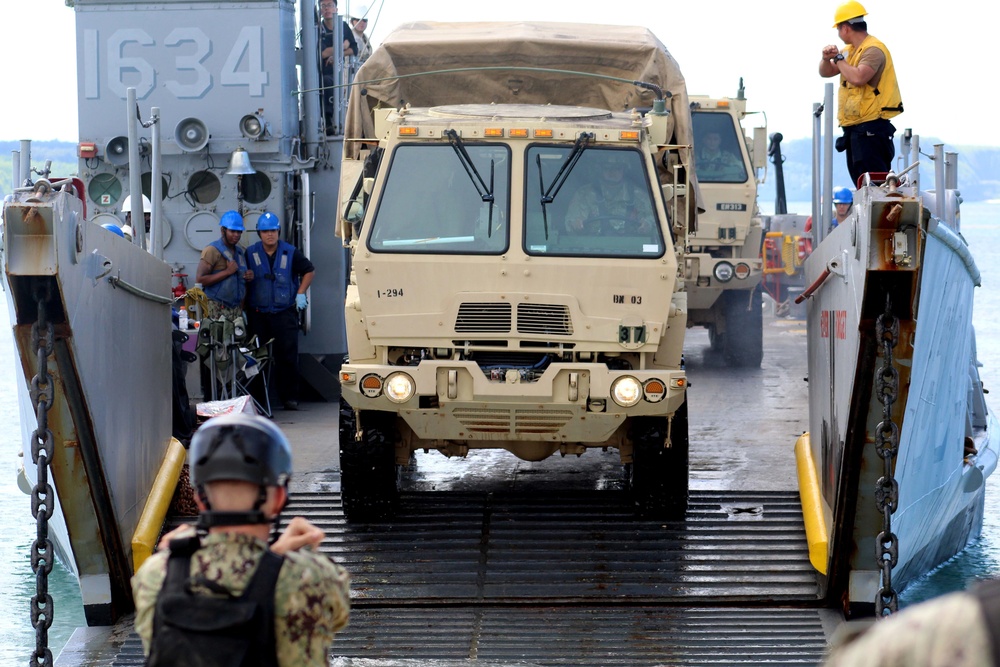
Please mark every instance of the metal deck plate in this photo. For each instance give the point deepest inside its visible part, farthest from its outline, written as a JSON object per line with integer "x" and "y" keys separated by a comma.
{"x": 543, "y": 548}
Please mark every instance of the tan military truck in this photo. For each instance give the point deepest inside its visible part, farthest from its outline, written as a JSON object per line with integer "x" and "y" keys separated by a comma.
{"x": 724, "y": 267}
{"x": 515, "y": 235}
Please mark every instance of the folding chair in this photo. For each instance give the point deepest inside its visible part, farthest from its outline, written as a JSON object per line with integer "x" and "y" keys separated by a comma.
{"x": 253, "y": 376}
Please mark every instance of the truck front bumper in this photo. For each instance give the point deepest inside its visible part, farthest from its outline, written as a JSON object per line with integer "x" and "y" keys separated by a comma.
{"x": 458, "y": 400}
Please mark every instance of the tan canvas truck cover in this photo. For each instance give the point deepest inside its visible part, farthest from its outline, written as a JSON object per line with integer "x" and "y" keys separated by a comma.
{"x": 554, "y": 49}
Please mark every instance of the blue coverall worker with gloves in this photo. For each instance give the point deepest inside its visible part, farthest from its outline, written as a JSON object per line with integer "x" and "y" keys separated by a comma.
{"x": 191, "y": 597}
{"x": 277, "y": 293}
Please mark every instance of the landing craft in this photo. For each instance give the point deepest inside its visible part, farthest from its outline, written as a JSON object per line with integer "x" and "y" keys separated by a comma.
{"x": 226, "y": 114}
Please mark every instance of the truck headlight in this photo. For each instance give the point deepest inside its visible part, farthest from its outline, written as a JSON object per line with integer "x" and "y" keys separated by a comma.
{"x": 626, "y": 391}
{"x": 723, "y": 272}
{"x": 399, "y": 387}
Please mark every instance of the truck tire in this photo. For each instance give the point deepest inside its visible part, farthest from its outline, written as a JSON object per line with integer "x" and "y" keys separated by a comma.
{"x": 658, "y": 478}
{"x": 369, "y": 476}
{"x": 743, "y": 341}
{"x": 716, "y": 339}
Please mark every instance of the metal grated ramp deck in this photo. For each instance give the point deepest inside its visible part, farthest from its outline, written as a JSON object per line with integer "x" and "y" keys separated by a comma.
{"x": 542, "y": 548}
{"x": 569, "y": 636}
{"x": 518, "y": 579}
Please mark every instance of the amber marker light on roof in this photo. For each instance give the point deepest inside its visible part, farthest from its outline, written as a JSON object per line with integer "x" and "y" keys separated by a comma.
{"x": 543, "y": 134}
{"x": 519, "y": 133}
{"x": 722, "y": 103}
{"x": 629, "y": 135}
{"x": 407, "y": 131}
{"x": 493, "y": 132}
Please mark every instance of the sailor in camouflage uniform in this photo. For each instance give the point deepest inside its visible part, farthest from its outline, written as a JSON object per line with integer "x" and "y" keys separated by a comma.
{"x": 239, "y": 462}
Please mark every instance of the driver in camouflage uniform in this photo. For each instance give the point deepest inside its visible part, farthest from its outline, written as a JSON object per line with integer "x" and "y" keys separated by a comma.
{"x": 240, "y": 466}
{"x": 716, "y": 164}
{"x": 613, "y": 205}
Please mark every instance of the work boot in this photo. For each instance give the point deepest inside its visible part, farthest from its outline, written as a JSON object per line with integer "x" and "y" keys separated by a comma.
{"x": 291, "y": 405}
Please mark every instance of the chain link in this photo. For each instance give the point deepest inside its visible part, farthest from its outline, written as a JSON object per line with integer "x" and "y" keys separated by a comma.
{"x": 887, "y": 446}
{"x": 42, "y": 495}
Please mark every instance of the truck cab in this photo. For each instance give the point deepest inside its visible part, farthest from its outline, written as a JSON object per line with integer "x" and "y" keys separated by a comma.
{"x": 514, "y": 285}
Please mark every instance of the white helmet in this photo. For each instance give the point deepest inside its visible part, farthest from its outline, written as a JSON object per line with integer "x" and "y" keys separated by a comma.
{"x": 147, "y": 207}
{"x": 359, "y": 12}
{"x": 127, "y": 231}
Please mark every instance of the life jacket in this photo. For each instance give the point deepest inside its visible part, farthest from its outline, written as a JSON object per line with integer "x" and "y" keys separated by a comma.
{"x": 229, "y": 291}
{"x": 203, "y": 631}
{"x": 273, "y": 287}
{"x": 860, "y": 104}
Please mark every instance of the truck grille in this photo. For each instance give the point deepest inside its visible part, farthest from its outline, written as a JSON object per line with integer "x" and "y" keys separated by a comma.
{"x": 498, "y": 420}
{"x": 537, "y": 319}
{"x": 483, "y": 318}
{"x": 544, "y": 319}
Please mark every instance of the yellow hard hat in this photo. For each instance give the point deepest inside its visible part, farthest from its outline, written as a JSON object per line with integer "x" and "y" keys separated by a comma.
{"x": 847, "y": 11}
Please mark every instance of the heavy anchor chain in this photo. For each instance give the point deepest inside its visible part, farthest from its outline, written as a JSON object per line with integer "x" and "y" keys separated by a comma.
{"x": 887, "y": 446}
{"x": 42, "y": 495}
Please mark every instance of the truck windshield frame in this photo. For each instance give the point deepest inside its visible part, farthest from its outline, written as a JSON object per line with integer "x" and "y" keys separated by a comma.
{"x": 605, "y": 206}
{"x": 718, "y": 159}
{"x": 429, "y": 204}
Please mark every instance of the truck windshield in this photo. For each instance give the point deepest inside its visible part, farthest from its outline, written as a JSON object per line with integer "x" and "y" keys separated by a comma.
{"x": 717, "y": 154}
{"x": 604, "y": 209}
{"x": 429, "y": 204}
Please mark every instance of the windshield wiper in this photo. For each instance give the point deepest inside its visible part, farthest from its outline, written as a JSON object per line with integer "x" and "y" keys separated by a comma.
{"x": 549, "y": 194}
{"x": 485, "y": 193}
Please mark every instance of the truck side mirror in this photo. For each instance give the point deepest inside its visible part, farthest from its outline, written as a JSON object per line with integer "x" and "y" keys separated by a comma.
{"x": 759, "y": 156}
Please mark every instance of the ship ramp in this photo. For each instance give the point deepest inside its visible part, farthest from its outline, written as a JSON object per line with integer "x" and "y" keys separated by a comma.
{"x": 495, "y": 561}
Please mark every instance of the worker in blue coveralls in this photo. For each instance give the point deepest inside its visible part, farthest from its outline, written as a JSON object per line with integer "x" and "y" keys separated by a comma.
{"x": 282, "y": 275}
{"x": 222, "y": 270}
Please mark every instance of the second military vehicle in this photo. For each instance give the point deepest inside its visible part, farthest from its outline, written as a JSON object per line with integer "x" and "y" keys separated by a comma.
{"x": 724, "y": 267}
{"x": 516, "y": 234}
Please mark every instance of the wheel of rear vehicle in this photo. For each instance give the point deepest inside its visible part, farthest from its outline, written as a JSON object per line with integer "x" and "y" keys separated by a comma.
{"x": 369, "y": 476}
{"x": 716, "y": 339}
{"x": 658, "y": 477}
{"x": 744, "y": 341}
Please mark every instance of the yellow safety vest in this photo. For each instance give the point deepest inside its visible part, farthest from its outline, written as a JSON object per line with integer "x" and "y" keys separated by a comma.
{"x": 860, "y": 104}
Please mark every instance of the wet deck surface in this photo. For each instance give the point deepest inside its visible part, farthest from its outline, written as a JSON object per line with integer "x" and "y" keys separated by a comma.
{"x": 497, "y": 561}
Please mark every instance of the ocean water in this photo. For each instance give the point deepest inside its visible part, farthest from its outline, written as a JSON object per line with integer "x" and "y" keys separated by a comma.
{"x": 980, "y": 225}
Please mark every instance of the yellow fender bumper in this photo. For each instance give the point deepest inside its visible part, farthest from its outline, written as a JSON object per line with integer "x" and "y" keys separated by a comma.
{"x": 812, "y": 504}
{"x": 147, "y": 531}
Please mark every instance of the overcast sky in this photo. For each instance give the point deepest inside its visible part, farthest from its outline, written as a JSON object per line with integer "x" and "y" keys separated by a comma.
{"x": 774, "y": 45}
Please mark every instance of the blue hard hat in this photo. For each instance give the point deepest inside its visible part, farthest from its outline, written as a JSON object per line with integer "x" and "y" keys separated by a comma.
{"x": 842, "y": 196}
{"x": 115, "y": 229}
{"x": 268, "y": 222}
{"x": 232, "y": 220}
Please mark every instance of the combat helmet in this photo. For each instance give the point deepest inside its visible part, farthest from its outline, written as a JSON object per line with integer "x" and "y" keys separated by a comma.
{"x": 241, "y": 447}
{"x": 246, "y": 448}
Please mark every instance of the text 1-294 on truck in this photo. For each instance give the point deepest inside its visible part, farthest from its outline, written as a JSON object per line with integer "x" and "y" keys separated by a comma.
{"x": 516, "y": 237}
